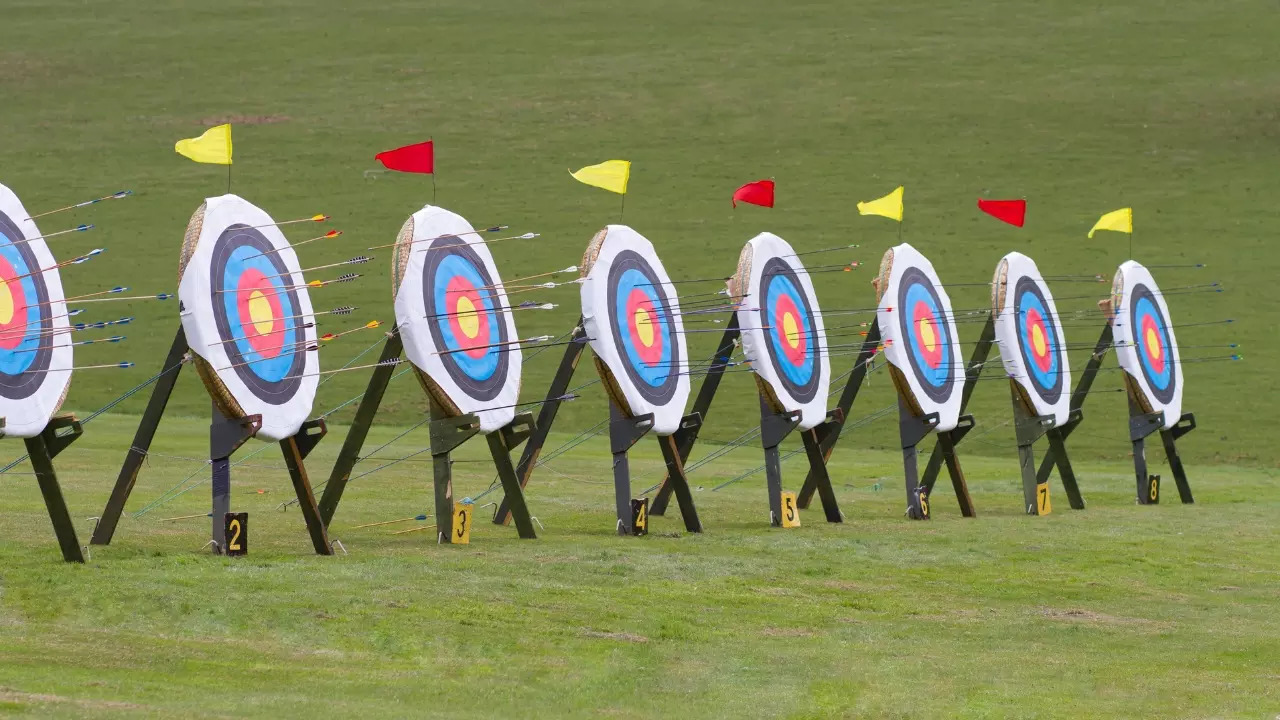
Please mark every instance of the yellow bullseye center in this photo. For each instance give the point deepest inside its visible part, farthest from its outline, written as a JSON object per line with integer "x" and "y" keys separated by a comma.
{"x": 791, "y": 330}
{"x": 260, "y": 312}
{"x": 927, "y": 334}
{"x": 1037, "y": 341}
{"x": 1153, "y": 343}
{"x": 644, "y": 326}
{"x": 468, "y": 320}
{"x": 6, "y": 304}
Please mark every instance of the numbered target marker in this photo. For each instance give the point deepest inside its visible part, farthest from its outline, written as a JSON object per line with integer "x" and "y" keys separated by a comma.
{"x": 236, "y": 526}
{"x": 1153, "y": 490}
{"x": 463, "y": 515}
{"x": 790, "y": 513}
{"x": 1043, "y": 504}
{"x": 922, "y": 500}
{"x": 640, "y": 516}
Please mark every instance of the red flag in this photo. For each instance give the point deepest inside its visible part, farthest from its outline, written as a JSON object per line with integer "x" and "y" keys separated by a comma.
{"x": 1013, "y": 212}
{"x": 759, "y": 193}
{"x": 419, "y": 158}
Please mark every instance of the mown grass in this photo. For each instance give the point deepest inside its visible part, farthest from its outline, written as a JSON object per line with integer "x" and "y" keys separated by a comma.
{"x": 1119, "y": 610}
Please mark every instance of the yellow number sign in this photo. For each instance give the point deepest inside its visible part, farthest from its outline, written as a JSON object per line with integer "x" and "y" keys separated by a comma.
{"x": 462, "y": 516}
{"x": 1043, "y": 505}
{"x": 1153, "y": 488}
{"x": 790, "y": 513}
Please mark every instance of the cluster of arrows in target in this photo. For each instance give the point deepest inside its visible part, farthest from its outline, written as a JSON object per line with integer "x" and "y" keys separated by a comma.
{"x": 246, "y": 323}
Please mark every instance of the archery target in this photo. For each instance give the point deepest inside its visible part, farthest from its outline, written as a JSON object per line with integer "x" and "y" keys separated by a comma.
{"x": 35, "y": 338}
{"x": 632, "y": 316}
{"x": 247, "y": 315}
{"x": 1145, "y": 344}
{"x": 1030, "y": 338}
{"x": 454, "y": 317}
{"x": 918, "y": 329}
{"x": 782, "y": 332}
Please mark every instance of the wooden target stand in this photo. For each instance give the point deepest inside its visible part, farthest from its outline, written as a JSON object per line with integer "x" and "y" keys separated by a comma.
{"x": 819, "y": 442}
{"x": 914, "y": 428}
{"x": 447, "y": 433}
{"x": 61, "y": 431}
{"x": 624, "y": 432}
{"x": 1142, "y": 424}
{"x": 226, "y": 435}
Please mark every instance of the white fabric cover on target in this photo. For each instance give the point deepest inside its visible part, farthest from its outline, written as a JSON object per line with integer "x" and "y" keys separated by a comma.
{"x": 1130, "y": 279}
{"x": 756, "y": 340}
{"x": 279, "y": 421}
{"x": 431, "y": 226}
{"x": 1013, "y": 268}
{"x": 896, "y": 346}
{"x": 670, "y": 375}
{"x": 31, "y": 398}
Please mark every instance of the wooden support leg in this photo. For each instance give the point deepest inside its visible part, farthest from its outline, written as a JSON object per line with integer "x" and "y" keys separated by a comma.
{"x": 1140, "y": 426}
{"x": 359, "y": 431}
{"x": 818, "y": 471}
{"x": 1186, "y": 424}
{"x": 679, "y": 483}
{"x": 42, "y": 461}
{"x": 226, "y": 435}
{"x": 447, "y": 433}
{"x": 624, "y": 432}
{"x": 295, "y": 450}
{"x": 546, "y": 417}
{"x": 958, "y": 482}
{"x": 1058, "y": 446}
{"x": 911, "y": 430}
{"x": 519, "y": 509}
{"x": 774, "y": 428}
{"x": 106, "y": 528}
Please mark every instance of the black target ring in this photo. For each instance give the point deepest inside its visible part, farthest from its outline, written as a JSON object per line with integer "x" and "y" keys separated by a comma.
{"x": 1034, "y": 310}
{"x": 1150, "y": 333}
{"x": 452, "y": 272}
{"x": 239, "y": 244}
{"x": 649, "y": 348}
{"x": 781, "y": 294}
{"x": 931, "y": 365}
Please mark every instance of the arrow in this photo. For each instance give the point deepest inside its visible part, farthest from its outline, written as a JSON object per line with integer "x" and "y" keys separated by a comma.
{"x": 113, "y": 196}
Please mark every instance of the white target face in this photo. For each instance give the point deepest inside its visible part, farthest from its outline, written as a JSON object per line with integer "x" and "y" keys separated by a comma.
{"x": 918, "y": 329}
{"x": 35, "y": 342}
{"x": 632, "y": 316}
{"x": 455, "y": 318}
{"x": 782, "y": 331}
{"x": 1145, "y": 344}
{"x": 247, "y": 314}
{"x": 1029, "y": 335}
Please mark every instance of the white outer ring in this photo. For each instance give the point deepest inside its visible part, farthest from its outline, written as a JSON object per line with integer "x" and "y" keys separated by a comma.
{"x": 755, "y": 340}
{"x": 895, "y": 347}
{"x": 1008, "y": 341}
{"x": 278, "y": 421}
{"x": 595, "y": 314}
{"x": 411, "y": 312}
{"x": 1129, "y": 274}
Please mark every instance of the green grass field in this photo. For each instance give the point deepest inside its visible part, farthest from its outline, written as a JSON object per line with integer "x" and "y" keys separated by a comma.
{"x": 1117, "y": 611}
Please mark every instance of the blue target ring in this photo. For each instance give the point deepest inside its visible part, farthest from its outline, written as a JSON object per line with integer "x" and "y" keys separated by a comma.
{"x": 782, "y": 298}
{"x": 1149, "y": 331}
{"x": 456, "y": 277}
{"x": 17, "y": 358}
{"x": 242, "y": 261}
{"x": 924, "y": 327}
{"x": 26, "y": 347}
{"x": 651, "y": 362}
{"x": 1038, "y": 342}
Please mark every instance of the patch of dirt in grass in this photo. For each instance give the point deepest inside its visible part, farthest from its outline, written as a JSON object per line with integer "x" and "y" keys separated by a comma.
{"x": 1097, "y": 618}
{"x": 13, "y": 696}
{"x": 245, "y": 119}
{"x": 786, "y": 632}
{"x": 622, "y": 636}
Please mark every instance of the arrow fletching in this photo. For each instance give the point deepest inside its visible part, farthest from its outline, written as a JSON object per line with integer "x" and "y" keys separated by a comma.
{"x": 344, "y": 310}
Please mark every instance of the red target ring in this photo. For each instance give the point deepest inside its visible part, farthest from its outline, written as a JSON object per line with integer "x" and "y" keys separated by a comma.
{"x": 258, "y": 302}
{"x": 928, "y": 336}
{"x": 789, "y": 327}
{"x": 1041, "y": 353}
{"x": 645, "y": 327}
{"x": 468, "y": 318}
{"x": 1151, "y": 344}
{"x": 13, "y": 304}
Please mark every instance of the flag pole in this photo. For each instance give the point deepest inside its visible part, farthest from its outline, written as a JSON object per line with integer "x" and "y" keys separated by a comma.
{"x": 228, "y": 178}
{"x": 623, "y": 209}
{"x": 432, "y": 140}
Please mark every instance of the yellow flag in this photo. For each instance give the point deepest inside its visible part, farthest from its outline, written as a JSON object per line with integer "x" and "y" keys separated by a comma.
{"x": 611, "y": 175}
{"x": 214, "y": 146}
{"x": 889, "y": 206}
{"x": 1119, "y": 220}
